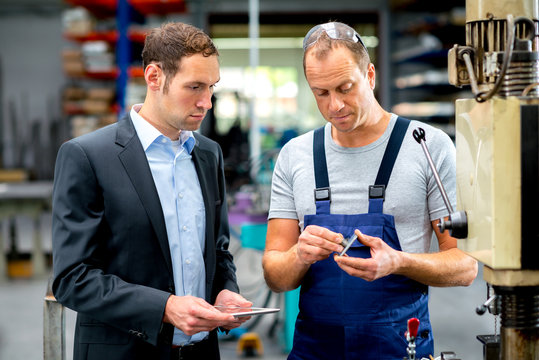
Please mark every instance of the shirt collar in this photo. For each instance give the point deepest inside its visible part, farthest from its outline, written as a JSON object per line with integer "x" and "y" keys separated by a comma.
{"x": 187, "y": 140}
{"x": 147, "y": 133}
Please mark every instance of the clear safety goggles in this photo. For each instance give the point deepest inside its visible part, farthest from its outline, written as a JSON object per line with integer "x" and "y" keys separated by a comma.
{"x": 335, "y": 30}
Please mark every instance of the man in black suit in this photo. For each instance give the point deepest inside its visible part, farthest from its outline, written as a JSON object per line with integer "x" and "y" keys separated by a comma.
{"x": 140, "y": 224}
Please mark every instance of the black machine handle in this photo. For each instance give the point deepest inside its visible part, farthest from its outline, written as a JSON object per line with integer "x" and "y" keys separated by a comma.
{"x": 457, "y": 223}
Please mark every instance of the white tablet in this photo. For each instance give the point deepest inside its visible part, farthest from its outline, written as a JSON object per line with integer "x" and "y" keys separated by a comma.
{"x": 237, "y": 311}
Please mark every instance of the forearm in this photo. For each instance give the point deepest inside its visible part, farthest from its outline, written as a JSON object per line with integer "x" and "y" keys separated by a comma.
{"x": 283, "y": 270}
{"x": 451, "y": 267}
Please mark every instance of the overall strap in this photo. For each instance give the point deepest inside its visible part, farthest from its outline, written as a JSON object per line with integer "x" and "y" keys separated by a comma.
{"x": 322, "y": 193}
{"x": 377, "y": 191}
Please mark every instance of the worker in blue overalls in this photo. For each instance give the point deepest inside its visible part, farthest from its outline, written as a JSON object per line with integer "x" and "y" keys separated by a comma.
{"x": 364, "y": 174}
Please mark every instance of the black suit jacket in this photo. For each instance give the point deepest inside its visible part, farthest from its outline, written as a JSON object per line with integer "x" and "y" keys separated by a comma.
{"x": 111, "y": 256}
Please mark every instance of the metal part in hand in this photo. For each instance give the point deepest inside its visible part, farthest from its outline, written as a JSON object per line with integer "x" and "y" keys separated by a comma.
{"x": 347, "y": 243}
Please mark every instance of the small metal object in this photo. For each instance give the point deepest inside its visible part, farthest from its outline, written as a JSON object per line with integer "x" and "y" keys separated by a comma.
{"x": 480, "y": 310}
{"x": 347, "y": 243}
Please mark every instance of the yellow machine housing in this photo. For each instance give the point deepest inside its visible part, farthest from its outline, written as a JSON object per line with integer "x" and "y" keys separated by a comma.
{"x": 497, "y": 142}
{"x": 496, "y": 180}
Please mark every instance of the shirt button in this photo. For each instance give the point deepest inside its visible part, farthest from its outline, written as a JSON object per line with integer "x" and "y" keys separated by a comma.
{"x": 188, "y": 261}
{"x": 163, "y": 140}
{"x": 180, "y": 195}
{"x": 184, "y": 228}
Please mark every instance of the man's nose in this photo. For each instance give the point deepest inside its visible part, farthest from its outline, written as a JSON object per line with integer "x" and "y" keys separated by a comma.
{"x": 205, "y": 100}
{"x": 335, "y": 103}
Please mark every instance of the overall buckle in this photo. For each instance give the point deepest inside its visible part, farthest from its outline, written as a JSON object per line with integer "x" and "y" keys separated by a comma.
{"x": 377, "y": 192}
{"x": 322, "y": 194}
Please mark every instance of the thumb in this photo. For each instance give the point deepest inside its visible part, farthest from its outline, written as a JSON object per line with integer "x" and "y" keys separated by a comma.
{"x": 243, "y": 302}
{"x": 366, "y": 240}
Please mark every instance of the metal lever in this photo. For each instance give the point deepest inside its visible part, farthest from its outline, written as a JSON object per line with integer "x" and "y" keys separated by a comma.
{"x": 457, "y": 223}
{"x": 480, "y": 310}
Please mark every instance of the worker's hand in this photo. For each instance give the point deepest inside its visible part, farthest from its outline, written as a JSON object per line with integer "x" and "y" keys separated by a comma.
{"x": 384, "y": 259}
{"x": 193, "y": 315}
{"x": 316, "y": 243}
{"x": 229, "y": 298}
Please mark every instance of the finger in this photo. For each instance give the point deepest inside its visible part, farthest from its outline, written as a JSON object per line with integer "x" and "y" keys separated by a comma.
{"x": 199, "y": 302}
{"x": 353, "y": 270}
{"x": 323, "y": 239}
{"x": 323, "y": 233}
{"x": 354, "y": 262}
{"x": 230, "y": 326}
{"x": 239, "y": 320}
{"x": 240, "y": 301}
{"x": 193, "y": 325}
{"x": 199, "y": 328}
{"x": 366, "y": 240}
{"x": 310, "y": 254}
{"x": 212, "y": 314}
{"x": 229, "y": 298}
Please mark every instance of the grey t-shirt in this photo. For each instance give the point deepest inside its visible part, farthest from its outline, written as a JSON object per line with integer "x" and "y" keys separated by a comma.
{"x": 412, "y": 195}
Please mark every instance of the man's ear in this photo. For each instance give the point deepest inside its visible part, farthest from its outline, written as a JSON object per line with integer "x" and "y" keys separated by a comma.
{"x": 371, "y": 75}
{"x": 154, "y": 77}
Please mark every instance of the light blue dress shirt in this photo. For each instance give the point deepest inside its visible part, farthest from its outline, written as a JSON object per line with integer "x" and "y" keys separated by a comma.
{"x": 181, "y": 199}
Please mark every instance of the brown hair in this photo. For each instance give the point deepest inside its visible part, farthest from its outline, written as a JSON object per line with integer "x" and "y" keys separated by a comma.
{"x": 324, "y": 44}
{"x": 168, "y": 44}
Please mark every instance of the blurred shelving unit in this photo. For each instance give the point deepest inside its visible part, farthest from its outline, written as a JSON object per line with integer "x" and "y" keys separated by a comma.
{"x": 423, "y": 32}
{"x": 101, "y": 36}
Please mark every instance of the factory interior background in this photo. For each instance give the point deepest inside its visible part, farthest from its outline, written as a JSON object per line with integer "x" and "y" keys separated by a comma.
{"x": 62, "y": 75}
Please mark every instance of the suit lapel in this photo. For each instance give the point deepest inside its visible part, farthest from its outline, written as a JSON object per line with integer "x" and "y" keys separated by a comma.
{"x": 136, "y": 165}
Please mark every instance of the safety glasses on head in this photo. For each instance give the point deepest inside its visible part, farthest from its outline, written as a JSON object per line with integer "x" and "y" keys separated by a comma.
{"x": 335, "y": 30}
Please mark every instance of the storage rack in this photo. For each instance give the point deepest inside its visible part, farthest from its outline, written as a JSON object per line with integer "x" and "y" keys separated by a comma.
{"x": 123, "y": 38}
{"x": 422, "y": 34}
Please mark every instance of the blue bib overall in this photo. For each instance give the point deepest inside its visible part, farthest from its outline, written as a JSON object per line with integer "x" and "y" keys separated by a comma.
{"x": 345, "y": 317}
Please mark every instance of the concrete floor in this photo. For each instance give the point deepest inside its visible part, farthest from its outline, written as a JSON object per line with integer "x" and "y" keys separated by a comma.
{"x": 453, "y": 316}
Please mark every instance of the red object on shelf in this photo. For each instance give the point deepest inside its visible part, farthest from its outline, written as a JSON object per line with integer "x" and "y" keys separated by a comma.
{"x": 108, "y": 36}
{"x": 97, "y": 7}
{"x": 73, "y": 108}
{"x": 115, "y": 108}
{"x": 102, "y": 75}
{"x": 108, "y": 7}
{"x": 158, "y": 6}
{"x": 137, "y": 35}
{"x": 136, "y": 71}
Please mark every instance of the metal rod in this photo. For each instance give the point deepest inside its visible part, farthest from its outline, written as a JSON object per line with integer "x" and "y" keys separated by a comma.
{"x": 436, "y": 176}
{"x": 471, "y": 73}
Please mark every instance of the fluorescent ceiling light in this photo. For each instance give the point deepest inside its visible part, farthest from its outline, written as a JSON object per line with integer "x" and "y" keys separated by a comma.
{"x": 275, "y": 43}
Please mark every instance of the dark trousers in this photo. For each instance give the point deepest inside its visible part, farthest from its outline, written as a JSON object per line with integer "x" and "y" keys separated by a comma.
{"x": 203, "y": 350}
